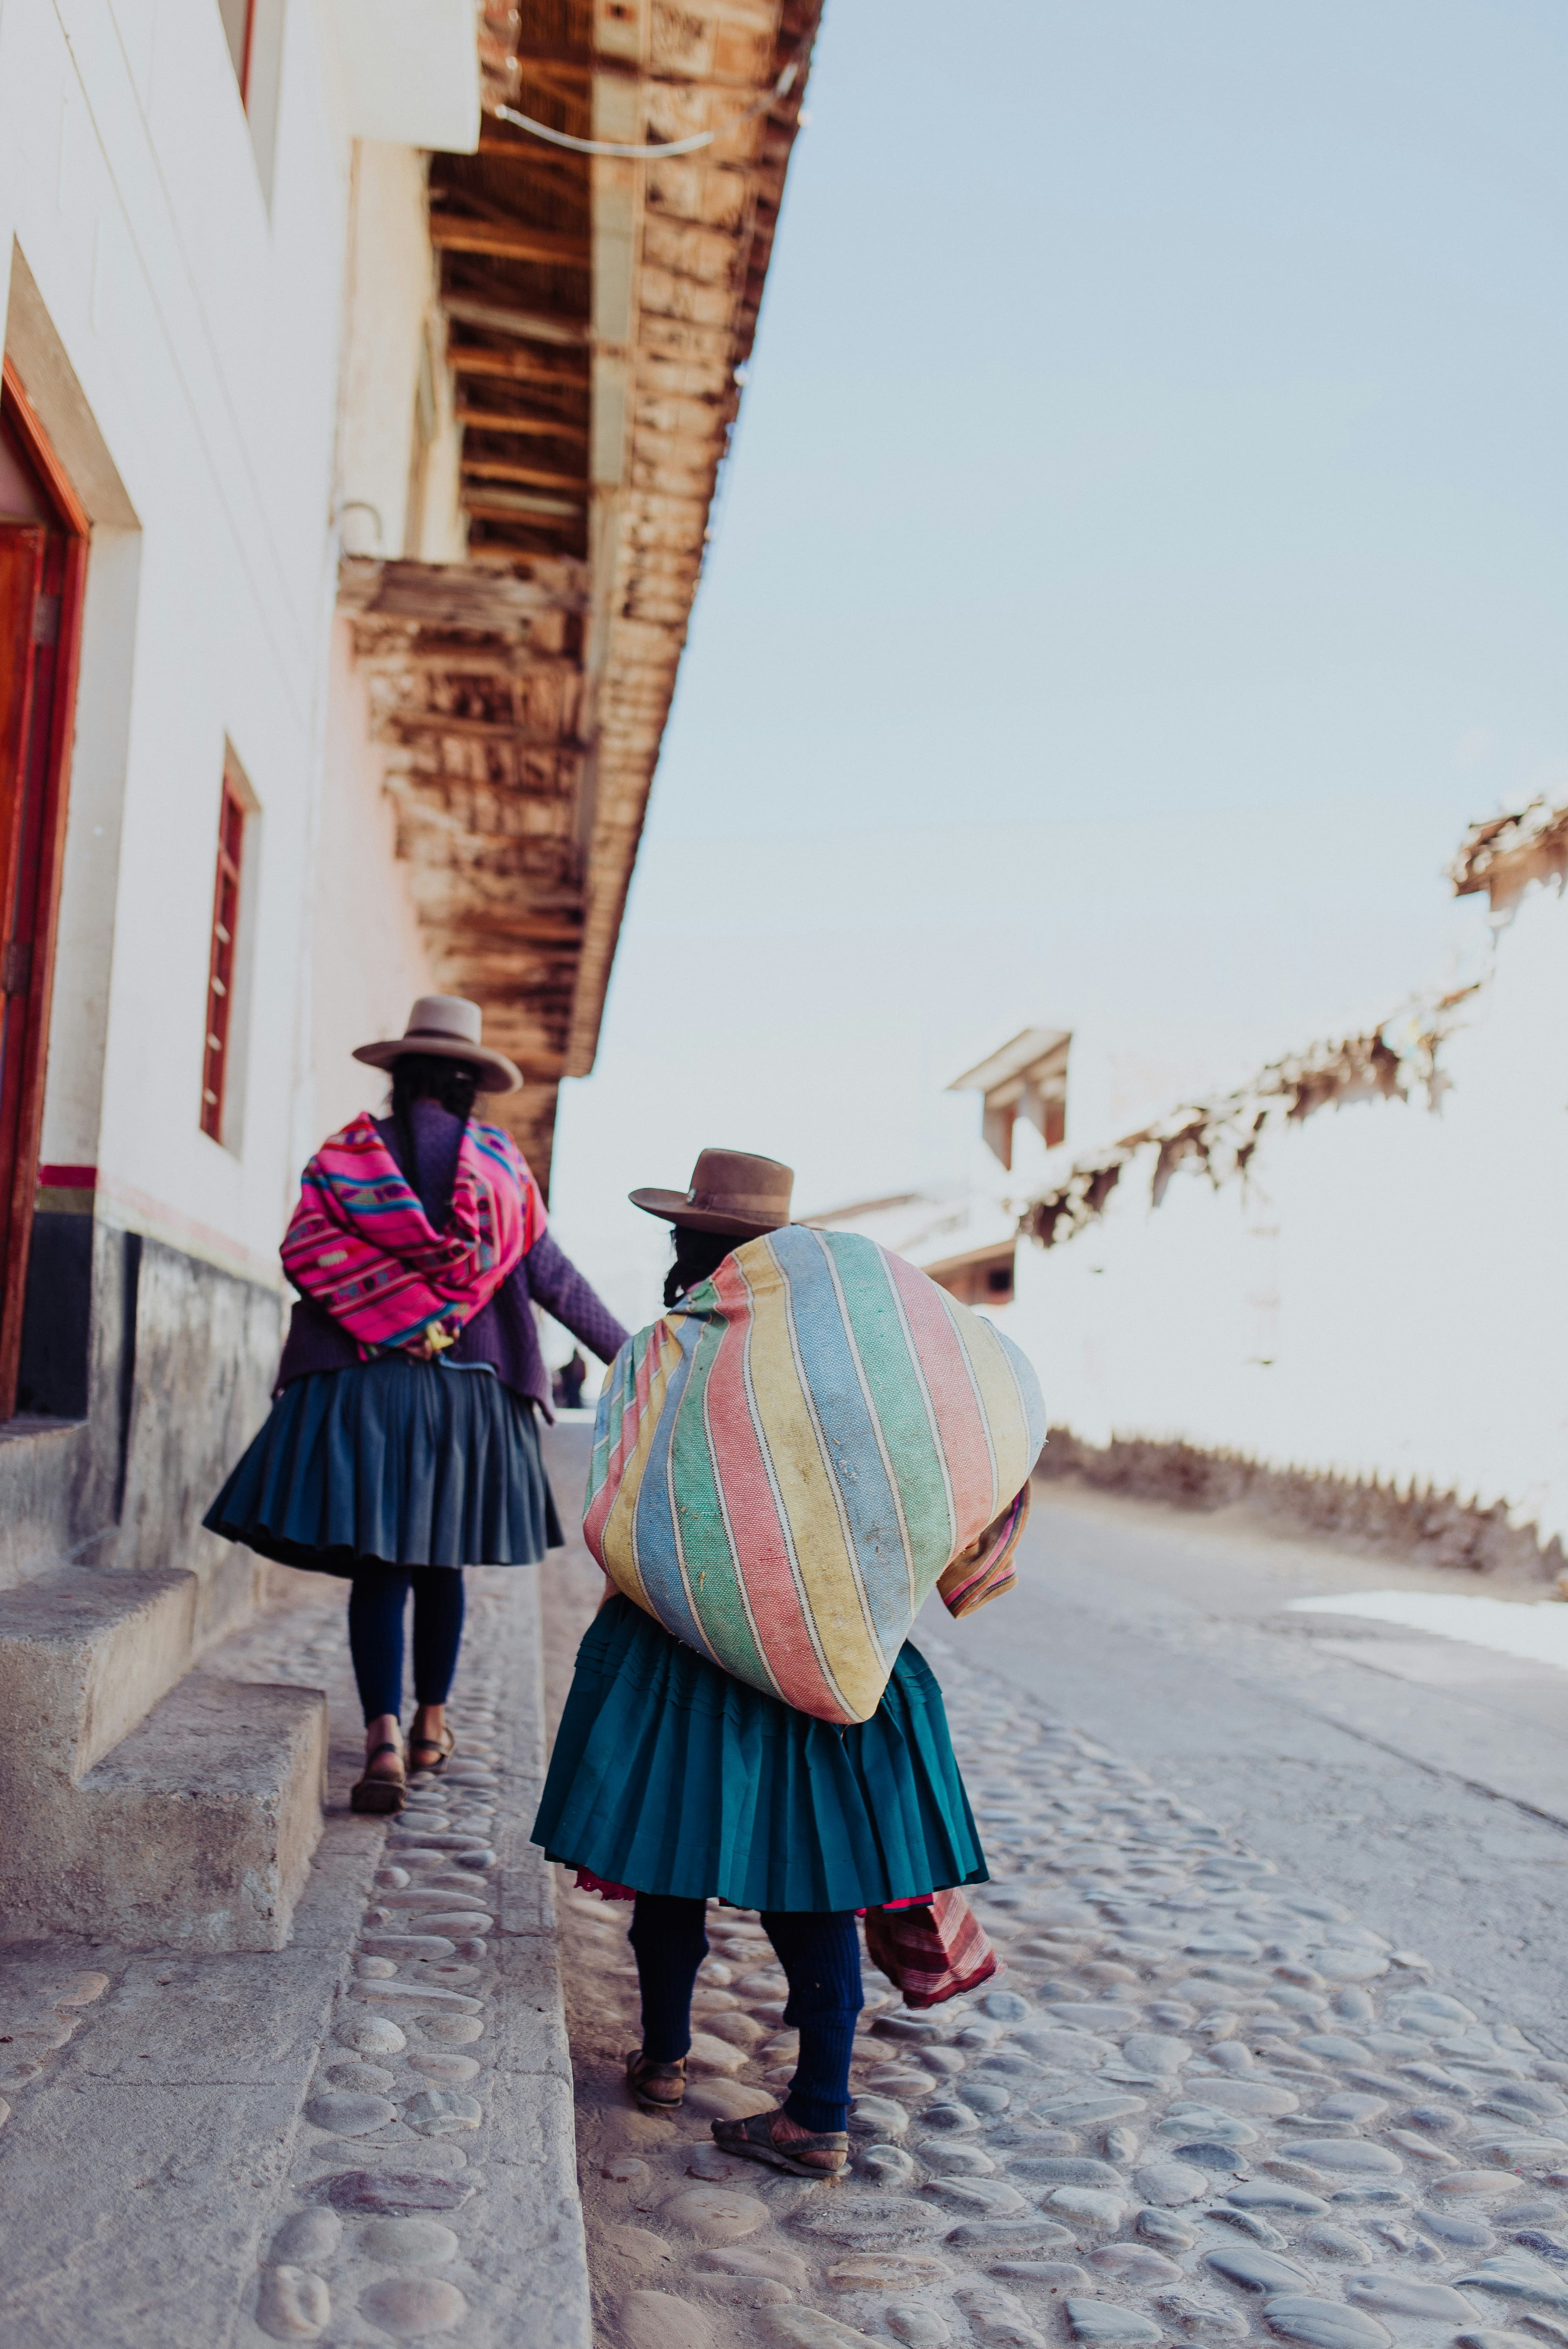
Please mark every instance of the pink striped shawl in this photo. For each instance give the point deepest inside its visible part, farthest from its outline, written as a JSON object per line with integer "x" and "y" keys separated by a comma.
{"x": 360, "y": 1244}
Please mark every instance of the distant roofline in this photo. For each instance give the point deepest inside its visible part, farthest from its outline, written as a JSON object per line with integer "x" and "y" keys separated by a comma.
{"x": 1030, "y": 1045}
{"x": 864, "y": 1207}
{"x": 996, "y": 1252}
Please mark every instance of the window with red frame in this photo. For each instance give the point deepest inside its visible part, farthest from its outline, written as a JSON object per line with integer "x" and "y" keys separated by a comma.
{"x": 221, "y": 960}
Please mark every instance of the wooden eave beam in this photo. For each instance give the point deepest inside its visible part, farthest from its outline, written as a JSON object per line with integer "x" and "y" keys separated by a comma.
{"x": 538, "y": 427}
{"x": 501, "y": 553}
{"x": 533, "y": 477}
{"x": 535, "y": 326}
{"x": 526, "y": 919}
{"x": 397, "y": 594}
{"x": 512, "y": 241}
{"x": 395, "y": 723}
{"x": 588, "y": 62}
{"x": 522, "y": 149}
{"x": 515, "y": 367}
{"x": 522, "y": 508}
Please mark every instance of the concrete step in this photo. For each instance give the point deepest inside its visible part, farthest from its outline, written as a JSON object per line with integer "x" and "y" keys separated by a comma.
{"x": 84, "y": 1656}
{"x": 146, "y": 1804}
{"x": 166, "y": 2178}
{"x": 195, "y": 1833}
{"x": 207, "y": 1815}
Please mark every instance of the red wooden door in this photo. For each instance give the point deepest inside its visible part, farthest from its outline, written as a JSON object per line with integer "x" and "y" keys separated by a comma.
{"x": 43, "y": 552}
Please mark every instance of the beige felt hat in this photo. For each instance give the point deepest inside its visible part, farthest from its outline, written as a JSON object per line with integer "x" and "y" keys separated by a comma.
{"x": 730, "y": 1192}
{"x": 447, "y": 1026}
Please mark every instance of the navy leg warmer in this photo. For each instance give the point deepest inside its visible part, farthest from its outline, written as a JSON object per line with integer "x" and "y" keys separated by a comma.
{"x": 670, "y": 1942}
{"x": 819, "y": 1950}
{"x": 377, "y": 1601}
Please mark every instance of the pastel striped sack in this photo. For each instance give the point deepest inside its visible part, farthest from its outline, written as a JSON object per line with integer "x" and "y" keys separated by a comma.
{"x": 789, "y": 1462}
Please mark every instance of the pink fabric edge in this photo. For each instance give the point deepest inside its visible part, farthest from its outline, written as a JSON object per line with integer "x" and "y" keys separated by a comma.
{"x": 586, "y": 1881}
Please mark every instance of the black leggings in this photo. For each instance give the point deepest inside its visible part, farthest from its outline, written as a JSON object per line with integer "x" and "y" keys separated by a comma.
{"x": 820, "y": 1952}
{"x": 377, "y": 1600}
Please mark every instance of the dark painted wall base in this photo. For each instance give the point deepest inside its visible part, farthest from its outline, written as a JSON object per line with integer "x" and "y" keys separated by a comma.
{"x": 145, "y": 1373}
{"x": 56, "y": 1327}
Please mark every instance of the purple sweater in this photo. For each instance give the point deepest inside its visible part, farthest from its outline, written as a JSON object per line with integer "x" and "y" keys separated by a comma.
{"x": 504, "y": 1334}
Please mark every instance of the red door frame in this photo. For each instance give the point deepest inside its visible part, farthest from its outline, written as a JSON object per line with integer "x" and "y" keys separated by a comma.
{"x": 38, "y": 724}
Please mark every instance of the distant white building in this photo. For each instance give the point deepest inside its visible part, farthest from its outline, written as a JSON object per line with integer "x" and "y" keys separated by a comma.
{"x": 963, "y": 1238}
{"x": 1344, "y": 1286}
{"x": 965, "y": 1235}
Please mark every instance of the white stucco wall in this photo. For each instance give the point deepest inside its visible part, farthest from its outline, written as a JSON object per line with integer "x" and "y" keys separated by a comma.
{"x": 204, "y": 322}
{"x": 1386, "y": 1296}
{"x": 203, "y": 331}
{"x": 395, "y": 333}
{"x": 369, "y": 957}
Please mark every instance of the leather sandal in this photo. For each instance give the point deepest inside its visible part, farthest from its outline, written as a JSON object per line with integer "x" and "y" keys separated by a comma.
{"x": 656, "y": 2087}
{"x": 752, "y": 2140}
{"x": 379, "y": 1797}
{"x": 443, "y": 1748}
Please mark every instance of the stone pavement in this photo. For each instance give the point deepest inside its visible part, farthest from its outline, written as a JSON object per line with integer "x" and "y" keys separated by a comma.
{"x": 1366, "y": 1766}
{"x": 1201, "y": 2105}
{"x": 364, "y": 2137}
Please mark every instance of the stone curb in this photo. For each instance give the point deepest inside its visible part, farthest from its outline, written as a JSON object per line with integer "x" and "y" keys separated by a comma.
{"x": 181, "y": 2176}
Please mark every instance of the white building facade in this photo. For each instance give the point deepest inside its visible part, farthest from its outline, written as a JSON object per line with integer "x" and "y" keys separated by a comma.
{"x": 232, "y": 382}
{"x": 203, "y": 909}
{"x": 190, "y": 236}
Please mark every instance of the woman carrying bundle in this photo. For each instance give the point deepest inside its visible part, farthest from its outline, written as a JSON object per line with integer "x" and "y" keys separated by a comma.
{"x": 403, "y": 1442}
{"x": 678, "y": 1782}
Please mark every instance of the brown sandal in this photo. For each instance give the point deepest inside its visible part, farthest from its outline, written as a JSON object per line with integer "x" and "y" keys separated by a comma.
{"x": 752, "y": 2140}
{"x": 443, "y": 1748}
{"x": 656, "y": 2087}
{"x": 379, "y": 1797}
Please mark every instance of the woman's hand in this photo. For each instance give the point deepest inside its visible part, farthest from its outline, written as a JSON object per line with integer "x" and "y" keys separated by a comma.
{"x": 431, "y": 1342}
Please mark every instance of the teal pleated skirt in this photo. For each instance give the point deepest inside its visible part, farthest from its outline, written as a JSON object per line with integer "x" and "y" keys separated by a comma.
{"x": 393, "y": 1463}
{"x": 670, "y": 1777}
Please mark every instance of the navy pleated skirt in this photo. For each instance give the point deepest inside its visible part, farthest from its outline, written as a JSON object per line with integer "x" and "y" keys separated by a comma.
{"x": 670, "y": 1777}
{"x": 393, "y": 1463}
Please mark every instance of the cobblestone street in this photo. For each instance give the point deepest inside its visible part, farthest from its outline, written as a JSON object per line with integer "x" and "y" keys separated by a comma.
{"x": 1206, "y": 2100}
{"x": 1203, "y": 2102}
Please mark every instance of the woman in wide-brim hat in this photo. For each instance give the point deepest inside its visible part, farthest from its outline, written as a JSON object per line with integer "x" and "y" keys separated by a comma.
{"x": 403, "y": 1443}
{"x": 676, "y": 1783}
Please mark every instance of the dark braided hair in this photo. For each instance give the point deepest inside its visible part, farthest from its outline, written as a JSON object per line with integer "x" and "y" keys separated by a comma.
{"x": 698, "y": 1254}
{"x": 429, "y": 1076}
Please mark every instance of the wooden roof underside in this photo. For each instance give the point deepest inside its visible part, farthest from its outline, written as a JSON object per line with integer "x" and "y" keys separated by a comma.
{"x": 597, "y": 312}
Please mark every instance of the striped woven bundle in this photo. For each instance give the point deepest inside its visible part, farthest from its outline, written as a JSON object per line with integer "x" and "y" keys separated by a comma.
{"x": 788, "y": 1463}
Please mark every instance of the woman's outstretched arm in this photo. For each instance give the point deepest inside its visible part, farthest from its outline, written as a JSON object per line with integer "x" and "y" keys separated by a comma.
{"x": 554, "y": 1280}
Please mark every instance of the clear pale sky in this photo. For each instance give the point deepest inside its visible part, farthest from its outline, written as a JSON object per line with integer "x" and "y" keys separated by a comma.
{"x": 1141, "y": 555}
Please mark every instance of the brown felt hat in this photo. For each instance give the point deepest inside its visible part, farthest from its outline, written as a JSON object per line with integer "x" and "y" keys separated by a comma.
{"x": 447, "y": 1026}
{"x": 730, "y": 1192}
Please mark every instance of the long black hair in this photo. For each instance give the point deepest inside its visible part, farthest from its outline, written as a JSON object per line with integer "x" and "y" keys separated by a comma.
{"x": 429, "y": 1076}
{"x": 697, "y": 1255}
